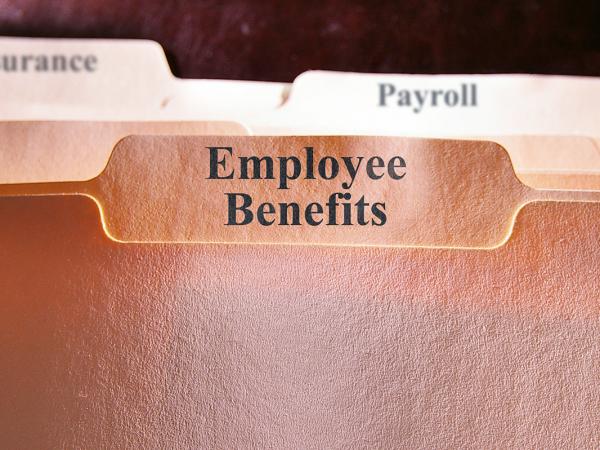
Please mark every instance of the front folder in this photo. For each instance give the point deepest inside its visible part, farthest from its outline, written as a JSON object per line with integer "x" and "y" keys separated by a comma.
{"x": 107, "y": 344}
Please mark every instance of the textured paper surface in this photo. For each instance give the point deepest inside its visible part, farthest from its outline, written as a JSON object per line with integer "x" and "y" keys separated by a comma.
{"x": 132, "y": 81}
{"x": 554, "y": 162}
{"x": 35, "y": 152}
{"x": 110, "y": 345}
{"x": 192, "y": 346}
{"x": 452, "y": 193}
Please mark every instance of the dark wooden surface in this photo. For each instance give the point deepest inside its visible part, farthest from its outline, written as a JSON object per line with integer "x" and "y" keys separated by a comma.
{"x": 276, "y": 40}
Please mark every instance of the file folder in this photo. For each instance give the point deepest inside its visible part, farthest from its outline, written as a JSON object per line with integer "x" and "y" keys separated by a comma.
{"x": 314, "y": 190}
{"x": 131, "y": 80}
{"x": 107, "y": 344}
{"x": 167, "y": 281}
{"x": 33, "y": 151}
{"x": 36, "y": 152}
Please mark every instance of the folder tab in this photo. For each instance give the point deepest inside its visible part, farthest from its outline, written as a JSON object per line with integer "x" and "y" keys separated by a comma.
{"x": 308, "y": 190}
{"x": 445, "y": 105}
{"x": 114, "y": 79}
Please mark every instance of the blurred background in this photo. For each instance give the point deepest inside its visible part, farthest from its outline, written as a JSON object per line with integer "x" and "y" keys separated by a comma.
{"x": 276, "y": 40}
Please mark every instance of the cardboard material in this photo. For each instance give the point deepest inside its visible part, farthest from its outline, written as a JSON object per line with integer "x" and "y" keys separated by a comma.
{"x": 237, "y": 346}
{"x": 131, "y": 81}
{"x": 134, "y": 314}
{"x": 554, "y": 162}
{"x": 247, "y": 189}
{"x": 36, "y": 152}
{"x": 508, "y": 104}
{"x": 33, "y": 151}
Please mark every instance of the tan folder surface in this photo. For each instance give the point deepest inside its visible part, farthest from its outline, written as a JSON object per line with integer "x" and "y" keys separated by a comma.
{"x": 280, "y": 190}
{"x": 110, "y": 345}
{"x": 133, "y": 316}
{"x": 554, "y": 162}
{"x": 131, "y": 80}
{"x": 205, "y": 344}
{"x": 36, "y": 152}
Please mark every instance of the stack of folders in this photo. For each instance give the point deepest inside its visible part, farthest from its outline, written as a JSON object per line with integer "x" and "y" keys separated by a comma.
{"x": 347, "y": 261}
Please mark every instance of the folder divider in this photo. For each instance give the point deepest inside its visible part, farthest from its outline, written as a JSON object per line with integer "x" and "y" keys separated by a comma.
{"x": 451, "y": 194}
